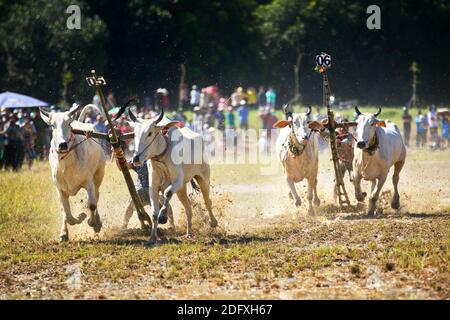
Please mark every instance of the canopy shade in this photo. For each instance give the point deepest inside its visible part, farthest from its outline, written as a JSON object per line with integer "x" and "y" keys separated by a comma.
{"x": 15, "y": 100}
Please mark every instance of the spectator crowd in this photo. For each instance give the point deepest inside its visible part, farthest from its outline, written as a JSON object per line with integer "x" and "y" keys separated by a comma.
{"x": 25, "y": 137}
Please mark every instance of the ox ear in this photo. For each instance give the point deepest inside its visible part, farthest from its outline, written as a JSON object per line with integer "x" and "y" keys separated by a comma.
{"x": 316, "y": 126}
{"x": 167, "y": 125}
{"x": 381, "y": 124}
{"x": 281, "y": 124}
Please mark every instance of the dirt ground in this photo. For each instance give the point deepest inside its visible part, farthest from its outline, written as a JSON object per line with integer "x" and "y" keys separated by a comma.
{"x": 263, "y": 248}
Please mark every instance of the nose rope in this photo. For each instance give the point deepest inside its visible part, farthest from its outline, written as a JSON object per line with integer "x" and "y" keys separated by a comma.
{"x": 156, "y": 136}
{"x": 72, "y": 138}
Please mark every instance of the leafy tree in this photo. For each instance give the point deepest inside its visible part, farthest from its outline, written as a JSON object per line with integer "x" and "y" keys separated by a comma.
{"x": 42, "y": 56}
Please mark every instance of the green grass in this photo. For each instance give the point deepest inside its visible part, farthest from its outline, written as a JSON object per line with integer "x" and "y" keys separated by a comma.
{"x": 269, "y": 257}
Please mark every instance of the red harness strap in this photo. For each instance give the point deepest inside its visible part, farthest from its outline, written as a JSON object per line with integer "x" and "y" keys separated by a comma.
{"x": 72, "y": 138}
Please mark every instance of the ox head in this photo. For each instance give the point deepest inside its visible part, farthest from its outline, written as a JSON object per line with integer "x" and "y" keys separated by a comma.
{"x": 146, "y": 132}
{"x": 365, "y": 129}
{"x": 298, "y": 122}
{"x": 61, "y": 129}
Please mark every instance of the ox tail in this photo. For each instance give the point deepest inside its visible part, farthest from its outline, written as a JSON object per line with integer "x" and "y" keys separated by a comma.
{"x": 87, "y": 108}
{"x": 195, "y": 185}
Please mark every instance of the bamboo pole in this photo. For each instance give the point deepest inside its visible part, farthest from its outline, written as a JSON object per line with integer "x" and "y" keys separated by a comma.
{"x": 120, "y": 156}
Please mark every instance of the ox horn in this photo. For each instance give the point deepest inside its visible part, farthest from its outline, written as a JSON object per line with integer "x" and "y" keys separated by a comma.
{"x": 161, "y": 115}
{"x": 376, "y": 114}
{"x": 124, "y": 107}
{"x": 74, "y": 110}
{"x": 358, "y": 113}
{"x": 44, "y": 112}
{"x": 285, "y": 108}
{"x": 308, "y": 110}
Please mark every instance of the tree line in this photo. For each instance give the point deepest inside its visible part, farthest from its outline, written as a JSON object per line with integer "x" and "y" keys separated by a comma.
{"x": 139, "y": 45}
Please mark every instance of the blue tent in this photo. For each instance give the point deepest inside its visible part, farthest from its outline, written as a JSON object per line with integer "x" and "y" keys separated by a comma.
{"x": 15, "y": 100}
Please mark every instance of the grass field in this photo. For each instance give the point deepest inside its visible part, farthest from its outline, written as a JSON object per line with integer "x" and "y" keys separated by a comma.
{"x": 263, "y": 247}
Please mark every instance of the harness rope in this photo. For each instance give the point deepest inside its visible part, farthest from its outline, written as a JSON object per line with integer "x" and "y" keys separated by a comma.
{"x": 158, "y": 157}
{"x": 72, "y": 138}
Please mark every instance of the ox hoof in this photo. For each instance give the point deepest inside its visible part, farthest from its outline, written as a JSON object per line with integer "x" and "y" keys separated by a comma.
{"x": 162, "y": 217}
{"x": 95, "y": 223}
{"x": 213, "y": 223}
{"x": 150, "y": 244}
{"x": 311, "y": 212}
{"x": 395, "y": 204}
{"x": 64, "y": 238}
{"x": 317, "y": 202}
{"x": 298, "y": 203}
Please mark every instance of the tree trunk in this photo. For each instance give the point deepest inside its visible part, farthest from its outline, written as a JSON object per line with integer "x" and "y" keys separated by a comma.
{"x": 297, "y": 96}
{"x": 182, "y": 87}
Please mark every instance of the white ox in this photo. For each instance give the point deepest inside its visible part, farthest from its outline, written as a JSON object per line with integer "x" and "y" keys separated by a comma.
{"x": 379, "y": 147}
{"x": 76, "y": 162}
{"x": 154, "y": 140}
{"x": 297, "y": 147}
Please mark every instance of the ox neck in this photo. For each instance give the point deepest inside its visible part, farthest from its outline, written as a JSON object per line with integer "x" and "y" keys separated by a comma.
{"x": 373, "y": 144}
{"x": 295, "y": 148}
{"x": 162, "y": 145}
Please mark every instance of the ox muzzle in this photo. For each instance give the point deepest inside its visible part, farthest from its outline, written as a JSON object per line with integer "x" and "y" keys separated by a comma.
{"x": 361, "y": 145}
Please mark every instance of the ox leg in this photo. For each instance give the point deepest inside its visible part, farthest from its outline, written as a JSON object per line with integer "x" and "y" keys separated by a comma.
{"x": 64, "y": 235}
{"x": 290, "y": 182}
{"x": 375, "y": 194}
{"x": 360, "y": 196}
{"x": 169, "y": 213}
{"x": 310, "y": 197}
{"x": 155, "y": 205}
{"x": 316, "y": 197}
{"x": 184, "y": 199}
{"x": 177, "y": 185}
{"x": 395, "y": 204}
{"x": 69, "y": 219}
{"x": 204, "y": 187}
{"x": 94, "y": 218}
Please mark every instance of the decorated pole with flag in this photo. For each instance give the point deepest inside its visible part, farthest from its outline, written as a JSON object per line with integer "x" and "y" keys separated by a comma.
{"x": 323, "y": 63}
{"x": 99, "y": 81}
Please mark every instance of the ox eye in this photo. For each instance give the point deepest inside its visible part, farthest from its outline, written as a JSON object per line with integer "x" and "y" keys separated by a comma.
{"x": 149, "y": 134}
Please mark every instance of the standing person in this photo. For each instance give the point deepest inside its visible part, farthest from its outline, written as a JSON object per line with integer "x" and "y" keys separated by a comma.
{"x": 445, "y": 130}
{"x": 235, "y": 98}
{"x": 407, "y": 119}
{"x": 96, "y": 100}
{"x": 29, "y": 136}
{"x": 111, "y": 99}
{"x": 195, "y": 97}
{"x": 269, "y": 120}
{"x": 433, "y": 125}
{"x": 420, "y": 130}
{"x": 261, "y": 97}
{"x": 251, "y": 97}
{"x": 243, "y": 115}
{"x": 14, "y": 149}
{"x": 220, "y": 117}
{"x": 231, "y": 123}
{"x": 100, "y": 125}
{"x": 198, "y": 119}
{"x": 40, "y": 126}
{"x": 271, "y": 97}
{"x": 2, "y": 142}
